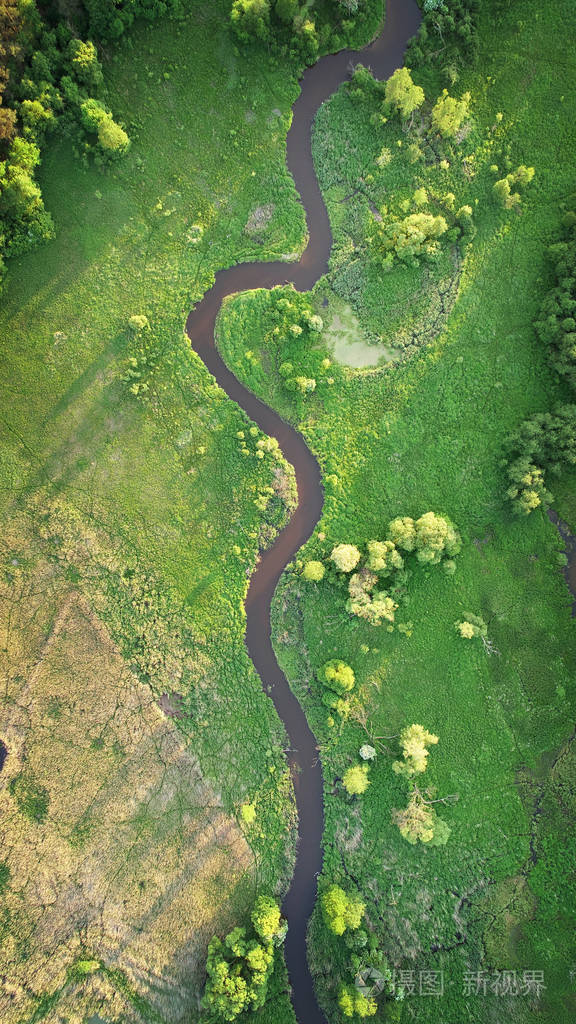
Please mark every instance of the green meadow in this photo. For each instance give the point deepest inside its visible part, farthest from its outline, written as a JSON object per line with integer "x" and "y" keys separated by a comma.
{"x": 426, "y": 430}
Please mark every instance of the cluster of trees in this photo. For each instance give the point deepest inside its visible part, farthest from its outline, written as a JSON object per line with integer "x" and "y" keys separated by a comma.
{"x": 369, "y": 972}
{"x": 239, "y": 967}
{"x": 432, "y": 539}
{"x": 403, "y": 98}
{"x": 502, "y": 188}
{"x": 546, "y": 443}
{"x": 296, "y": 29}
{"x": 51, "y": 80}
{"x": 471, "y": 626}
{"x": 294, "y": 333}
{"x": 556, "y": 322}
{"x": 410, "y": 231}
{"x": 447, "y": 37}
{"x": 338, "y": 680}
{"x": 542, "y": 446}
{"x": 418, "y": 821}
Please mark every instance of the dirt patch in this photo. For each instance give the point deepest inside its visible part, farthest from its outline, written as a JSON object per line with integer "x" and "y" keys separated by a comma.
{"x": 258, "y": 221}
{"x": 132, "y": 866}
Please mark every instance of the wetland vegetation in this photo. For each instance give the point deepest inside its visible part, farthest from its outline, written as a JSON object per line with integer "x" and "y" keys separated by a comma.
{"x": 148, "y": 817}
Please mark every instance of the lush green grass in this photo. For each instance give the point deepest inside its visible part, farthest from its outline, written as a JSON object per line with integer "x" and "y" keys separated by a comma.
{"x": 429, "y": 434}
{"x": 149, "y": 506}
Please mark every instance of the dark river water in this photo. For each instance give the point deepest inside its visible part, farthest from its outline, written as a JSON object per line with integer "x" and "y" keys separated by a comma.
{"x": 383, "y": 56}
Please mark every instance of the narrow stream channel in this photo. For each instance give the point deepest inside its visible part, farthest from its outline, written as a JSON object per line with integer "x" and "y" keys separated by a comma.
{"x": 383, "y": 56}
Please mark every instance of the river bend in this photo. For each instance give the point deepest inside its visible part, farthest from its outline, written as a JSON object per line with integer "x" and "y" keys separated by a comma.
{"x": 382, "y": 56}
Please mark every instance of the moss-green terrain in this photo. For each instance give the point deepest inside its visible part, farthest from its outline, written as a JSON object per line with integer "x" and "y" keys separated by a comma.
{"x": 135, "y": 726}
{"x": 427, "y": 432}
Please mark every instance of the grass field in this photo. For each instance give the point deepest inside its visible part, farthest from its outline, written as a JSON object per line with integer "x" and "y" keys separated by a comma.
{"x": 428, "y": 434}
{"x": 144, "y": 509}
{"x": 131, "y": 526}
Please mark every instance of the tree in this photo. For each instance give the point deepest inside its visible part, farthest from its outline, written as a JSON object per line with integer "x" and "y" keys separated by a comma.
{"x": 355, "y": 779}
{"x": 286, "y": 10}
{"x": 448, "y": 114}
{"x": 556, "y": 321}
{"x": 402, "y": 532}
{"x": 85, "y": 63}
{"x": 345, "y": 557}
{"x": 251, "y": 19}
{"x": 112, "y": 138}
{"x": 414, "y": 740}
{"x": 267, "y": 919}
{"x": 435, "y": 537}
{"x": 544, "y": 442}
{"x": 238, "y": 970}
{"x": 418, "y": 822}
{"x": 341, "y": 911}
{"x": 522, "y": 176}
{"x": 313, "y": 571}
{"x": 402, "y": 95}
{"x": 337, "y": 676}
{"x": 409, "y": 238}
{"x": 353, "y": 1003}
{"x": 383, "y": 556}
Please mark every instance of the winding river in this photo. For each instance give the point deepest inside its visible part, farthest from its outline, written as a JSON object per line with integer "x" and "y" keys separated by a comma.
{"x": 383, "y": 56}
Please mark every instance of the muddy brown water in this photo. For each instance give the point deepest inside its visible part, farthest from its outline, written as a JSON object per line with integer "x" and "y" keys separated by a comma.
{"x": 383, "y": 56}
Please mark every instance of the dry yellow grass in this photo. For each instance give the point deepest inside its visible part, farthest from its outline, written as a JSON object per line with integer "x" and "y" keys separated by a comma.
{"x": 135, "y": 856}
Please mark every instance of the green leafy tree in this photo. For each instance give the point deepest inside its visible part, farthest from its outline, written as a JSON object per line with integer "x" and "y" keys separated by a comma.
{"x": 267, "y": 919}
{"x": 341, "y": 911}
{"x": 409, "y": 238}
{"x": 402, "y": 532}
{"x": 354, "y": 1004}
{"x": 85, "y": 64}
{"x": 337, "y": 676}
{"x": 414, "y": 741}
{"x": 449, "y": 114}
{"x": 112, "y": 138}
{"x": 436, "y": 537}
{"x": 286, "y": 10}
{"x": 237, "y": 975}
{"x": 383, "y": 557}
{"x": 345, "y": 557}
{"x": 402, "y": 95}
{"x": 556, "y": 321}
{"x": 251, "y": 19}
{"x": 355, "y": 779}
{"x": 313, "y": 571}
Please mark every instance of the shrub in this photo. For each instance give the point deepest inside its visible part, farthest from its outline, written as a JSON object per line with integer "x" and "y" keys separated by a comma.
{"x": 31, "y": 798}
{"x": 471, "y": 626}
